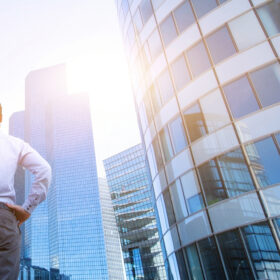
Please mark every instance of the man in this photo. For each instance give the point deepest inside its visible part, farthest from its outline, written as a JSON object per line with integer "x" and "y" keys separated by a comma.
{"x": 14, "y": 152}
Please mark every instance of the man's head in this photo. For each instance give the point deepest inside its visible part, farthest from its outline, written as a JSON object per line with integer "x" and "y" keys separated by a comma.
{"x": 0, "y": 113}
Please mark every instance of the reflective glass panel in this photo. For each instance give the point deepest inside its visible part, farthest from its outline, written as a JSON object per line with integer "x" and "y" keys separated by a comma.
{"x": 138, "y": 21}
{"x": 198, "y": 59}
{"x": 178, "y": 136}
{"x": 235, "y": 173}
{"x": 241, "y": 98}
{"x": 178, "y": 200}
{"x": 180, "y": 72}
{"x": 277, "y": 226}
{"x": 146, "y": 10}
{"x": 214, "y": 111}
{"x": 234, "y": 256}
{"x": 184, "y": 16}
{"x": 166, "y": 144}
{"x": 195, "y": 122}
{"x": 265, "y": 161}
{"x": 263, "y": 251}
{"x": 278, "y": 138}
{"x": 157, "y": 154}
{"x": 169, "y": 208}
{"x": 210, "y": 259}
{"x": 168, "y": 30}
{"x": 269, "y": 15}
{"x": 181, "y": 265}
{"x": 165, "y": 86}
{"x": 246, "y": 31}
{"x": 266, "y": 81}
{"x": 192, "y": 191}
{"x": 202, "y": 7}
{"x": 125, "y": 7}
{"x": 155, "y": 98}
{"x": 212, "y": 182}
{"x": 157, "y": 3}
{"x": 148, "y": 108}
{"x": 194, "y": 263}
{"x": 155, "y": 44}
{"x": 220, "y": 45}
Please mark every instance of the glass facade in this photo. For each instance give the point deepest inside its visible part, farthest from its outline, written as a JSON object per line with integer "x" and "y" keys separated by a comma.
{"x": 130, "y": 188}
{"x": 65, "y": 234}
{"x": 211, "y": 135}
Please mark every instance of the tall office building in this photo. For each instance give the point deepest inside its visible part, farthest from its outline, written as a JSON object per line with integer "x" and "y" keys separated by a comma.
{"x": 112, "y": 238}
{"x": 206, "y": 80}
{"x": 127, "y": 177}
{"x": 65, "y": 233}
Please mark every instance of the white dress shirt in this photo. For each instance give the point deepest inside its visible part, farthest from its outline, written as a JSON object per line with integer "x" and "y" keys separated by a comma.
{"x": 14, "y": 152}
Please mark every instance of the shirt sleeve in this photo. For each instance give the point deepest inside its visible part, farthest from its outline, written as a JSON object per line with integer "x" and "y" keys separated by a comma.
{"x": 38, "y": 166}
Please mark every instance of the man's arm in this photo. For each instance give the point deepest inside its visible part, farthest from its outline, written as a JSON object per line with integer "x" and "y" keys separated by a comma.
{"x": 32, "y": 161}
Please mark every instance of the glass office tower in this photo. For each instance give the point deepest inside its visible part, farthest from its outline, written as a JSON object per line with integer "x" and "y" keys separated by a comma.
{"x": 206, "y": 80}
{"x": 127, "y": 177}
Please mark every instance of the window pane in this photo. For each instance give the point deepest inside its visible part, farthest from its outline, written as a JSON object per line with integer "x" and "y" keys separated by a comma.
{"x": 168, "y": 208}
{"x": 180, "y": 73}
{"x": 146, "y": 10}
{"x": 235, "y": 173}
{"x": 165, "y": 86}
{"x": 138, "y": 21}
{"x": 157, "y": 154}
{"x": 267, "y": 84}
{"x": 277, "y": 226}
{"x": 212, "y": 182}
{"x": 148, "y": 108}
{"x": 181, "y": 265}
{"x": 269, "y": 15}
{"x": 246, "y": 31}
{"x": 202, "y": 7}
{"x": 157, "y": 3}
{"x": 125, "y": 7}
{"x": 195, "y": 123}
{"x": 220, "y": 45}
{"x": 178, "y": 135}
{"x": 214, "y": 111}
{"x": 168, "y": 30}
{"x": 241, "y": 98}
{"x": 234, "y": 256}
{"x": 278, "y": 138}
{"x": 265, "y": 161}
{"x": 178, "y": 201}
{"x": 263, "y": 251}
{"x": 192, "y": 192}
{"x": 155, "y": 98}
{"x": 155, "y": 44}
{"x": 166, "y": 144}
{"x": 198, "y": 59}
{"x": 210, "y": 259}
{"x": 194, "y": 264}
{"x": 184, "y": 16}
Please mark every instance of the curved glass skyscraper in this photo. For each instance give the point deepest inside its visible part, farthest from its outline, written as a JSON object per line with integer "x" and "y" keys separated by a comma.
{"x": 206, "y": 80}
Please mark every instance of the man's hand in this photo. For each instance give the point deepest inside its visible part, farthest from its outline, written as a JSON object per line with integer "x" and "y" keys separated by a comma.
{"x": 20, "y": 213}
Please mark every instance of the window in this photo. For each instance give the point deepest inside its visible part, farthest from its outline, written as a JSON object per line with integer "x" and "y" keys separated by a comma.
{"x": 195, "y": 122}
{"x": 266, "y": 81}
{"x": 138, "y": 21}
{"x": 166, "y": 144}
{"x": 125, "y": 7}
{"x": 246, "y": 31}
{"x": 210, "y": 259}
{"x": 148, "y": 108}
{"x": 193, "y": 261}
{"x": 198, "y": 59}
{"x": 234, "y": 256}
{"x": 278, "y": 139}
{"x": 165, "y": 86}
{"x": 155, "y": 98}
{"x": 168, "y": 208}
{"x": 180, "y": 72}
{"x": 265, "y": 161}
{"x": 146, "y": 10}
{"x": 184, "y": 16}
{"x": 220, "y": 45}
{"x": 263, "y": 250}
{"x": 202, "y": 7}
{"x": 181, "y": 265}
{"x": 178, "y": 136}
{"x": 269, "y": 15}
{"x": 158, "y": 158}
{"x": 154, "y": 43}
{"x": 178, "y": 201}
{"x": 192, "y": 192}
{"x": 214, "y": 111}
{"x": 168, "y": 30}
{"x": 241, "y": 98}
{"x": 157, "y": 3}
{"x": 226, "y": 176}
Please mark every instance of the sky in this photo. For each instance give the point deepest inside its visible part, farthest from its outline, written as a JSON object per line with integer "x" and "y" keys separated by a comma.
{"x": 85, "y": 34}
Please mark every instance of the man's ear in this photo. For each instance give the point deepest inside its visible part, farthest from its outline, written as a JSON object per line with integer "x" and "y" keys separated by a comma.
{"x": 0, "y": 113}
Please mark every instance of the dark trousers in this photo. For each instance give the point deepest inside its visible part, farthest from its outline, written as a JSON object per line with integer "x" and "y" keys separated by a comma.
{"x": 10, "y": 239}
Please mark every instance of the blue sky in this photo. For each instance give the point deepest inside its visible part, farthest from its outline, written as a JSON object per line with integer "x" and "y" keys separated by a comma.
{"x": 39, "y": 33}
